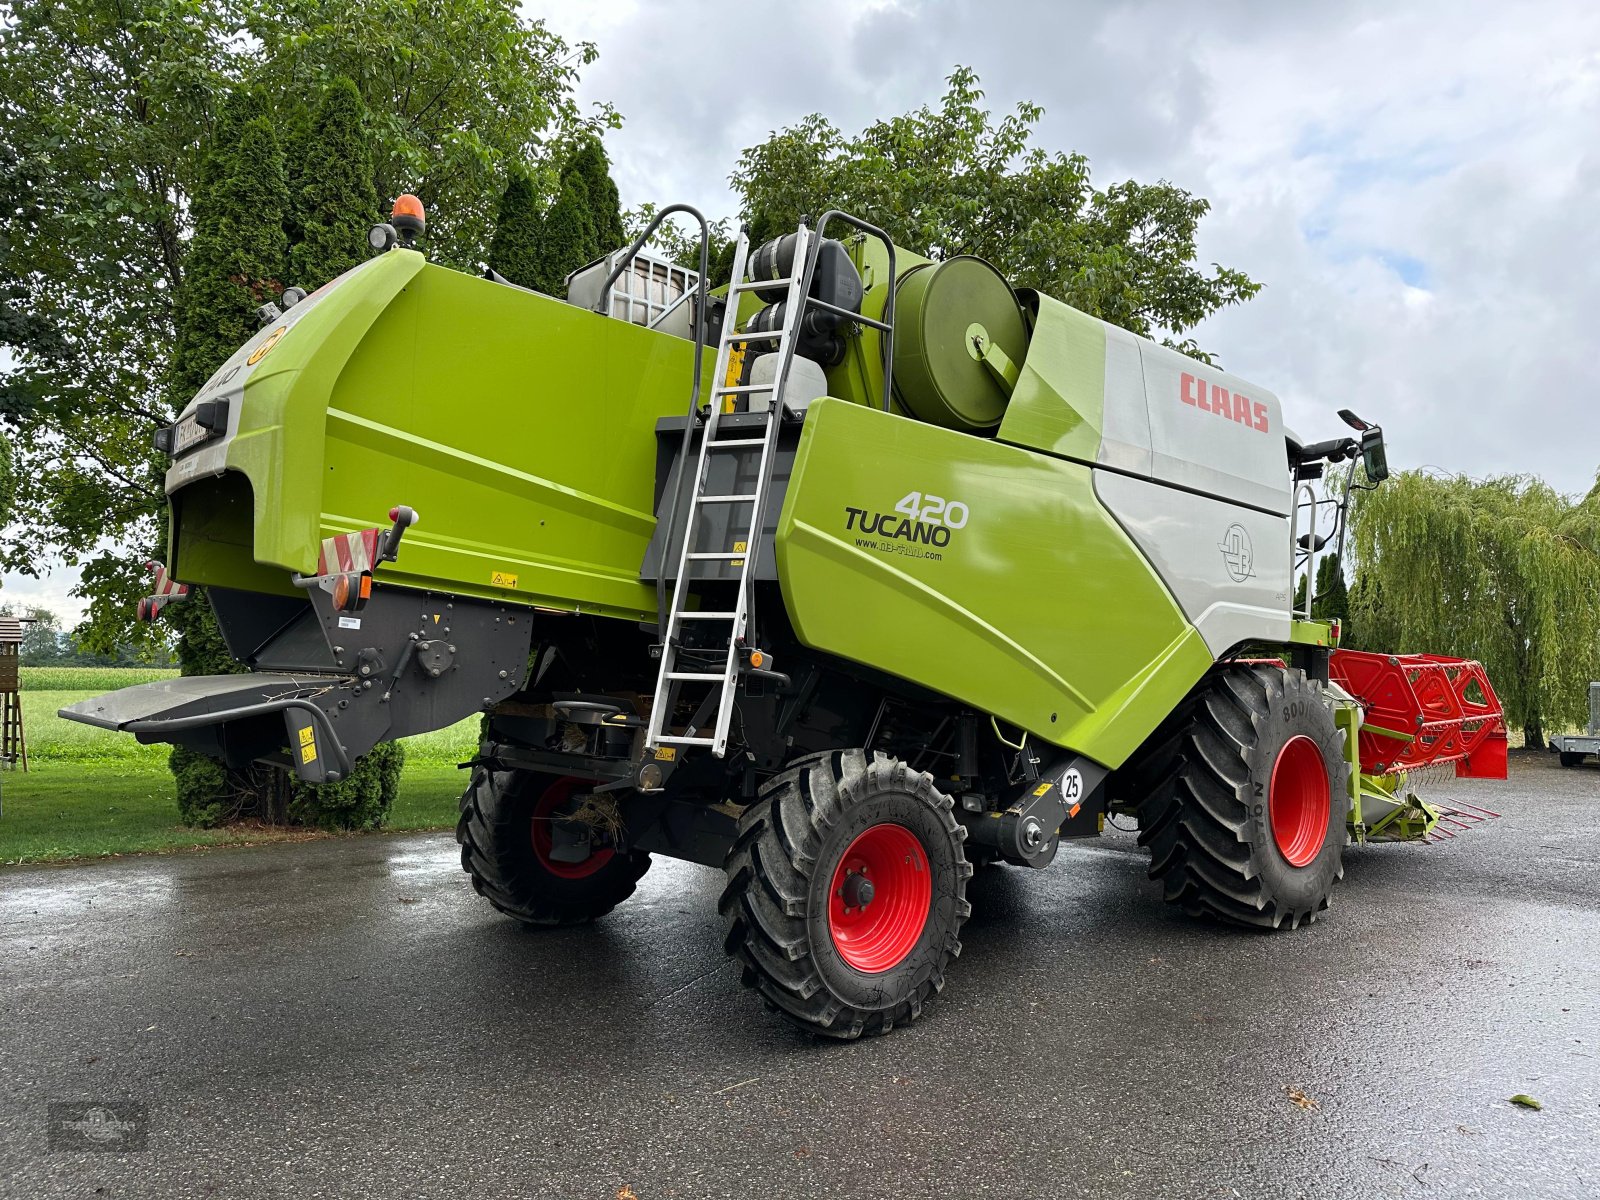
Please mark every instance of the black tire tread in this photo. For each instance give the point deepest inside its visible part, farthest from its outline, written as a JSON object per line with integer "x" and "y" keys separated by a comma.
{"x": 493, "y": 836}
{"x": 769, "y": 870}
{"x": 1194, "y": 779}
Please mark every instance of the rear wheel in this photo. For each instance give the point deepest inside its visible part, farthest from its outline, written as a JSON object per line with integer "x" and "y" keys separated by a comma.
{"x": 1245, "y": 813}
{"x": 508, "y": 834}
{"x": 846, "y": 892}
{"x": 1571, "y": 759}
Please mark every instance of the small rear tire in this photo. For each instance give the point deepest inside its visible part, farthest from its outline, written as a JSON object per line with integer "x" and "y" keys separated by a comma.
{"x": 505, "y": 836}
{"x": 1571, "y": 758}
{"x": 846, "y": 893}
{"x": 1246, "y": 813}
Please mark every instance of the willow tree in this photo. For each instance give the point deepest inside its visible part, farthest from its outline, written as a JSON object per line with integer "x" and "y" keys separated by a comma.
{"x": 1506, "y": 571}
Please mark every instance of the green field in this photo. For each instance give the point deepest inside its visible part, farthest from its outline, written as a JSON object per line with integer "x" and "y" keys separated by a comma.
{"x": 89, "y": 793}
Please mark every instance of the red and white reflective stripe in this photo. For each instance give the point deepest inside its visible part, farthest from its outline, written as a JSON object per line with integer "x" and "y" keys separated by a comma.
{"x": 349, "y": 552}
{"x": 166, "y": 586}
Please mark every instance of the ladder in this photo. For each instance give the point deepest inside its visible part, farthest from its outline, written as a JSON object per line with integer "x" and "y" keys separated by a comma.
{"x": 680, "y": 666}
{"x": 13, "y": 742}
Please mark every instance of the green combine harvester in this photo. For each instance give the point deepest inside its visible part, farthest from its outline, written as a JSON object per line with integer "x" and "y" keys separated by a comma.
{"x": 926, "y": 574}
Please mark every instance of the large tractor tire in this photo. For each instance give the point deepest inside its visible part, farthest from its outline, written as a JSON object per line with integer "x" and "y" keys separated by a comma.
{"x": 506, "y": 840}
{"x": 1246, "y": 801}
{"x": 846, "y": 893}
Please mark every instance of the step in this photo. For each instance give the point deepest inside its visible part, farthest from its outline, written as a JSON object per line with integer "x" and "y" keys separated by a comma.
{"x": 762, "y": 284}
{"x": 707, "y": 615}
{"x": 736, "y": 336}
{"x": 696, "y": 677}
{"x": 666, "y": 740}
{"x": 718, "y": 556}
{"x": 726, "y": 499}
{"x": 740, "y": 389}
{"x": 734, "y": 443}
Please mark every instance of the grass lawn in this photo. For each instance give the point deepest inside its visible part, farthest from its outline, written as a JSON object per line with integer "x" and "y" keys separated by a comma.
{"x": 90, "y": 793}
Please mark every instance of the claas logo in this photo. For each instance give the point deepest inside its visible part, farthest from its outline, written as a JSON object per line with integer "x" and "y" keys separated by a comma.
{"x": 1214, "y": 398}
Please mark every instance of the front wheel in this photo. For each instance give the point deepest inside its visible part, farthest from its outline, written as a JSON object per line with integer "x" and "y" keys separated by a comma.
{"x": 846, "y": 892}
{"x": 1246, "y": 813}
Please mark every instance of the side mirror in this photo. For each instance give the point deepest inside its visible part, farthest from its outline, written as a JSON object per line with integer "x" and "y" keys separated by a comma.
{"x": 1373, "y": 457}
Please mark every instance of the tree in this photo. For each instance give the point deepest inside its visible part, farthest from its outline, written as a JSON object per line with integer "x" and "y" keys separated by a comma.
{"x": 540, "y": 249}
{"x": 8, "y": 481}
{"x": 456, "y": 90}
{"x": 334, "y": 205}
{"x": 518, "y": 230}
{"x": 589, "y": 163}
{"x": 237, "y": 256}
{"x": 42, "y": 642}
{"x": 107, "y": 113}
{"x": 1332, "y": 601}
{"x": 1506, "y": 571}
{"x": 566, "y": 238}
{"x": 950, "y": 181}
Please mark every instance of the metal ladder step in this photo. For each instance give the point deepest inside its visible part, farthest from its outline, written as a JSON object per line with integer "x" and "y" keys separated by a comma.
{"x": 749, "y": 433}
{"x": 760, "y": 284}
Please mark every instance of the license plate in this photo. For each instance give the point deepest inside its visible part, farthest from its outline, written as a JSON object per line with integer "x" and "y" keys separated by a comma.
{"x": 190, "y": 433}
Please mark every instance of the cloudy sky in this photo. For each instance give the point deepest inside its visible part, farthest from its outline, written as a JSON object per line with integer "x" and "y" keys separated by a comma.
{"x": 1414, "y": 183}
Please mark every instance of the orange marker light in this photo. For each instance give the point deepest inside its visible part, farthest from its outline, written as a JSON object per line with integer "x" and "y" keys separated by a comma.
{"x": 757, "y": 658}
{"x": 408, "y": 206}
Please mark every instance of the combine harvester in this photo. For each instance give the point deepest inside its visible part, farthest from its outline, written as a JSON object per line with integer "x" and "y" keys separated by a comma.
{"x": 934, "y": 573}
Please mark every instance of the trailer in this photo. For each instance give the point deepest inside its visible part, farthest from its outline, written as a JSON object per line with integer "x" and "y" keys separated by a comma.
{"x": 1575, "y": 747}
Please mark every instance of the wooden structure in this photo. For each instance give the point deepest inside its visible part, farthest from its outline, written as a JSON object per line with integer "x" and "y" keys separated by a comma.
{"x": 13, "y": 743}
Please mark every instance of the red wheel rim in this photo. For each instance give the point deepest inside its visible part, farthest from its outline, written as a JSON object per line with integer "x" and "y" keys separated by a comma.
{"x": 1298, "y": 801}
{"x": 556, "y": 795}
{"x": 879, "y": 899}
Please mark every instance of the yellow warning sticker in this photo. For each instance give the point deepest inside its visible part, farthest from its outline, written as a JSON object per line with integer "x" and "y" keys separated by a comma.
{"x": 261, "y": 350}
{"x": 308, "y": 752}
{"x": 667, "y": 753}
{"x": 307, "y": 735}
{"x": 1042, "y": 788}
{"x": 502, "y": 579}
{"x": 738, "y": 547}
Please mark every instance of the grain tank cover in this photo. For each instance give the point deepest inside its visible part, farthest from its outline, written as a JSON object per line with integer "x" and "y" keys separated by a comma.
{"x": 937, "y": 379}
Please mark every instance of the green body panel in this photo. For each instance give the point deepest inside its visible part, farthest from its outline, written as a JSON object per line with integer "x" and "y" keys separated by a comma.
{"x": 1059, "y": 402}
{"x": 1039, "y": 609}
{"x": 938, "y": 311}
{"x": 1311, "y": 633}
{"x": 519, "y": 427}
{"x": 859, "y": 378}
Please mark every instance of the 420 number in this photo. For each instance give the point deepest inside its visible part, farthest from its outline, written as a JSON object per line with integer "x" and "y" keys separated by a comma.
{"x": 933, "y": 510}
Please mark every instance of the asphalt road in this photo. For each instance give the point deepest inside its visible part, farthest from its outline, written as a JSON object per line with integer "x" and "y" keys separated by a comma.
{"x": 345, "y": 1018}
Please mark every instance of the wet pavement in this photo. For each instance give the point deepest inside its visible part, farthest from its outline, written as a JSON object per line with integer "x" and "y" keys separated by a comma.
{"x": 345, "y": 1018}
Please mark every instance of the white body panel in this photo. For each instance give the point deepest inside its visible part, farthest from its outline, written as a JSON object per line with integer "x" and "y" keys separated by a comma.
{"x": 1125, "y": 429}
{"x": 1210, "y": 431}
{"x": 1227, "y": 565}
